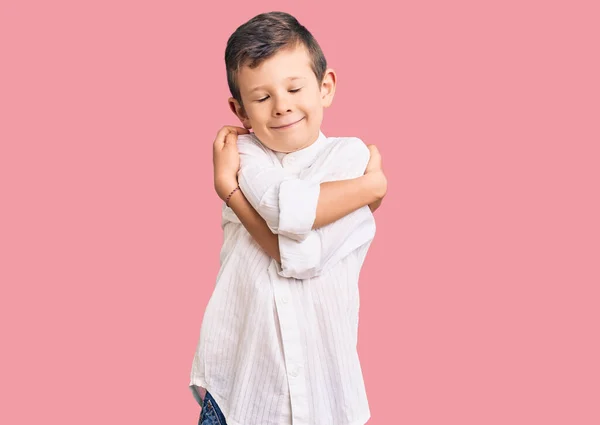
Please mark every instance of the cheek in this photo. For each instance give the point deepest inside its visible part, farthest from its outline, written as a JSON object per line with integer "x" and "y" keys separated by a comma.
{"x": 255, "y": 114}
{"x": 315, "y": 107}
{"x": 307, "y": 104}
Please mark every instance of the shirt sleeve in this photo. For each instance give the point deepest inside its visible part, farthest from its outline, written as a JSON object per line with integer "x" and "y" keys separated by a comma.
{"x": 326, "y": 246}
{"x": 287, "y": 204}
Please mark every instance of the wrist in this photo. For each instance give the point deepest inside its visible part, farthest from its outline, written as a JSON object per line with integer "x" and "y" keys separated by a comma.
{"x": 224, "y": 186}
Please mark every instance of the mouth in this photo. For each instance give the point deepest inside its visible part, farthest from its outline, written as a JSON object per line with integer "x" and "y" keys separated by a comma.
{"x": 285, "y": 127}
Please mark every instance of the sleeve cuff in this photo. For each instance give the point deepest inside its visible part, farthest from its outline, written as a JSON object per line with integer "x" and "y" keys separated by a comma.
{"x": 298, "y": 201}
{"x": 299, "y": 260}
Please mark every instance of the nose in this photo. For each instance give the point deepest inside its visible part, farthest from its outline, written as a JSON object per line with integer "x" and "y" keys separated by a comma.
{"x": 282, "y": 105}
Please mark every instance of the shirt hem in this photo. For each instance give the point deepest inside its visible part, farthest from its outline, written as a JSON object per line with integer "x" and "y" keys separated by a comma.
{"x": 220, "y": 402}
{"x": 362, "y": 421}
{"x": 202, "y": 383}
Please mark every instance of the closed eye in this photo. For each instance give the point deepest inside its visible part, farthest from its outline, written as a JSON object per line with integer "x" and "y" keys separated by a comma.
{"x": 291, "y": 91}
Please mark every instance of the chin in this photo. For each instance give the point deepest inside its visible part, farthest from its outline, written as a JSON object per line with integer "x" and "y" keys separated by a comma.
{"x": 293, "y": 143}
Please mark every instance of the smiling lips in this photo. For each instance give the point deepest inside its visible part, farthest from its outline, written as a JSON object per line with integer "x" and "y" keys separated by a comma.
{"x": 286, "y": 126}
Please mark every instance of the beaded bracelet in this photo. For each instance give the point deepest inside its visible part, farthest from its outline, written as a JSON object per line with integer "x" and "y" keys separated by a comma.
{"x": 229, "y": 197}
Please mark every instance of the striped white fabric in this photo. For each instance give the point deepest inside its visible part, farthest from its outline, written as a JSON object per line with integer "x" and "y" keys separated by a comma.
{"x": 278, "y": 342}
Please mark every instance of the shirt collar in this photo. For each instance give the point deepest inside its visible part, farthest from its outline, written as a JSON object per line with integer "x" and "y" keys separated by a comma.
{"x": 304, "y": 157}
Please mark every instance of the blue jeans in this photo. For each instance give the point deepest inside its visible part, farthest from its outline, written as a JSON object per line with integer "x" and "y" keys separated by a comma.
{"x": 211, "y": 414}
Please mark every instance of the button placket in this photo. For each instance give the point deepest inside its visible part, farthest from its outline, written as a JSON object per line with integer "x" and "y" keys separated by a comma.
{"x": 292, "y": 347}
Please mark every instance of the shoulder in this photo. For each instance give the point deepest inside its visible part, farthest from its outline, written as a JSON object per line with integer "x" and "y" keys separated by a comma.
{"x": 253, "y": 153}
{"x": 248, "y": 140}
{"x": 348, "y": 146}
{"x": 249, "y": 144}
{"x": 343, "y": 158}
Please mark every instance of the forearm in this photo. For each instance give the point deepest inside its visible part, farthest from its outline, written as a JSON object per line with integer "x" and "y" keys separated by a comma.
{"x": 333, "y": 200}
{"x": 255, "y": 225}
{"x": 340, "y": 198}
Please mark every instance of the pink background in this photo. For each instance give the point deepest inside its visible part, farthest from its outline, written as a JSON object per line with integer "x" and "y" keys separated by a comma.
{"x": 480, "y": 295}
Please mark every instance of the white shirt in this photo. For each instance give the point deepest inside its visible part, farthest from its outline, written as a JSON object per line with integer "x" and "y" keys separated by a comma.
{"x": 278, "y": 342}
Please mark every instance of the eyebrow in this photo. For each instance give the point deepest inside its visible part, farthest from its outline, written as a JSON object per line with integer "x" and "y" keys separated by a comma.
{"x": 288, "y": 79}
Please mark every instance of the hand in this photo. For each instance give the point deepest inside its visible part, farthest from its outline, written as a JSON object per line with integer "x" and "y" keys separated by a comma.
{"x": 226, "y": 159}
{"x": 375, "y": 169}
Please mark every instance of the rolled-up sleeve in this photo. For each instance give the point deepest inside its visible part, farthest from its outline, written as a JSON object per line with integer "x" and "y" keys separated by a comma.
{"x": 298, "y": 201}
{"x": 326, "y": 246}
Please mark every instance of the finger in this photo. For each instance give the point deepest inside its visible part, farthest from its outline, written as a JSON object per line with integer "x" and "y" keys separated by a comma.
{"x": 228, "y": 129}
{"x": 373, "y": 155}
{"x": 231, "y": 141}
{"x": 235, "y": 130}
{"x": 241, "y": 130}
{"x": 220, "y": 138}
{"x": 224, "y": 131}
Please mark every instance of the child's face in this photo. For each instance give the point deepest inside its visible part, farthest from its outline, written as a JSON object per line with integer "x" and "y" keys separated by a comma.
{"x": 283, "y": 101}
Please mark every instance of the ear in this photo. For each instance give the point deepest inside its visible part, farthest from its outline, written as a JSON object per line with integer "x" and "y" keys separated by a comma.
{"x": 238, "y": 111}
{"x": 328, "y": 87}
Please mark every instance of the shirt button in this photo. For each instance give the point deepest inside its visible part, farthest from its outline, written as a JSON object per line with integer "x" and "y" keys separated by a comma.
{"x": 284, "y": 300}
{"x": 294, "y": 373}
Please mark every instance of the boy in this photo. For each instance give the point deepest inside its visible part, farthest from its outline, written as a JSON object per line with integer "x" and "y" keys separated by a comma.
{"x": 278, "y": 339}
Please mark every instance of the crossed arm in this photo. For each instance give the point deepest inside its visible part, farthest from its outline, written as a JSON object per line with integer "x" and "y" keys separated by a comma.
{"x": 336, "y": 200}
{"x": 305, "y": 225}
